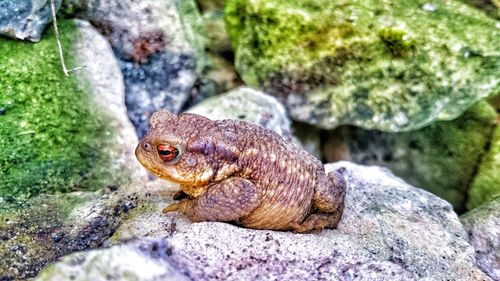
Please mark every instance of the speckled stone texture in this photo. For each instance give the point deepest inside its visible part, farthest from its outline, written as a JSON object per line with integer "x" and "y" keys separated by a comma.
{"x": 25, "y": 19}
{"x": 145, "y": 260}
{"x": 389, "y": 231}
{"x": 249, "y": 105}
{"x": 483, "y": 226}
{"x": 160, "y": 49}
{"x": 385, "y": 65}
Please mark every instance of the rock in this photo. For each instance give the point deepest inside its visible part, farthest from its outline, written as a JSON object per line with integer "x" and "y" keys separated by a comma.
{"x": 217, "y": 37}
{"x": 442, "y": 158}
{"x": 58, "y": 133}
{"x": 209, "y": 5}
{"x": 483, "y": 226}
{"x": 147, "y": 260}
{"x": 46, "y": 227}
{"x": 247, "y": 105}
{"x": 160, "y": 46}
{"x": 490, "y": 7}
{"x": 389, "y": 231}
{"x": 374, "y": 64}
{"x": 486, "y": 184}
{"x": 25, "y": 19}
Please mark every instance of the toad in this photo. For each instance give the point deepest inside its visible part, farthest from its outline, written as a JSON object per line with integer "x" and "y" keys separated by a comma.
{"x": 233, "y": 171}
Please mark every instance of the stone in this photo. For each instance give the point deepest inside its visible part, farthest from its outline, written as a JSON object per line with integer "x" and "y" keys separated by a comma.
{"x": 25, "y": 19}
{"x": 442, "y": 158}
{"x": 486, "y": 184}
{"x": 490, "y": 7}
{"x": 37, "y": 231}
{"x": 247, "y": 105}
{"x": 390, "y": 230}
{"x": 160, "y": 47}
{"x": 58, "y": 133}
{"x": 375, "y": 64}
{"x": 210, "y": 5}
{"x": 483, "y": 227}
{"x": 145, "y": 260}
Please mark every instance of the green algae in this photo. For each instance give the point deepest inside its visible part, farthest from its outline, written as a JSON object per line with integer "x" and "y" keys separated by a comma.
{"x": 486, "y": 185}
{"x": 417, "y": 61}
{"x": 52, "y": 139}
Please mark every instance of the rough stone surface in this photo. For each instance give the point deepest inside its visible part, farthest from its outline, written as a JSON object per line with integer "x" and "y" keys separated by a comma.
{"x": 93, "y": 51}
{"x": 389, "y": 231}
{"x": 483, "y": 226}
{"x": 44, "y": 228}
{"x": 160, "y": 48}
{"x": 146, "y": 260}
{"x": 57, "y": 133}
{"x": 25, "y": 19}
{"x": 247, "y": 105}
{"x": 486, "y": 184}
{"x": 442, "y": 158}
{"x": 376, "y": 64}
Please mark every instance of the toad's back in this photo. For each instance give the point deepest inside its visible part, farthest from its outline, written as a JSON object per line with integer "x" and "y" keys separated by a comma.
{"x": 285, "y": 174}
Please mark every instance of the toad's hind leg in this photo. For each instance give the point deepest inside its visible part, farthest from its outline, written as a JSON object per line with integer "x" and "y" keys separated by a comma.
{"x": 317, "y": 222}
{"x": 228, "y": 200}
{"x": 328, "y": 203}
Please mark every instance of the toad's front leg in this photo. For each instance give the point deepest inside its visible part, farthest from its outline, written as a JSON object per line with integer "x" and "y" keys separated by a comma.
{"x": 228, "y": 200}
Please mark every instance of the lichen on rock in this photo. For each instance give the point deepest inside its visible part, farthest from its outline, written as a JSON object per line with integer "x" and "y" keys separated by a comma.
{"x": 383, "y": 65}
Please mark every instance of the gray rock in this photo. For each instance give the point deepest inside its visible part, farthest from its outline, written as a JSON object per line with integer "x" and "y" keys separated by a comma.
{"x": 389, "y": 231}
{"x": 247, "y": 105}
{"x": 25, "y": 19}
{"x": 160, "y": 47}
{"x": 92, "y": 51}
{"x": 483, "y": 226}
{"x": 145, "y": 260}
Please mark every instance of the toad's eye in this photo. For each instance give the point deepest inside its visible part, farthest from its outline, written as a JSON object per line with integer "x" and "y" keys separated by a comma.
{"x": 167, "y": 152}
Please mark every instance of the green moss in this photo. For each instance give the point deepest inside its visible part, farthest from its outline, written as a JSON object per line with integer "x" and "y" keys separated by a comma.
{"x": 486, "y": 185}
{"x": 51, "y": 137}
{"x": 410, "y": 58}
{"x": 396, "y": 42}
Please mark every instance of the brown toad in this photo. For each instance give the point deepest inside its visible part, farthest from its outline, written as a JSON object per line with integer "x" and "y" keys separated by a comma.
{"x": 233, "y": 171}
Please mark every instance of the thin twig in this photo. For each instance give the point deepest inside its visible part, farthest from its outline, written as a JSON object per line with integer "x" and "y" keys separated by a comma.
{"x": 59, "y": 46}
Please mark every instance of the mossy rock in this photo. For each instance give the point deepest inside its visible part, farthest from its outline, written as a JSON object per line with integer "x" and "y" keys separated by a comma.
{"x": 52, "y": 137}
{"x": 490, "y": 7}
{"x": 385, "y": 65}
{"x": 486, "y": 185}
{"x": 441, "y": 158}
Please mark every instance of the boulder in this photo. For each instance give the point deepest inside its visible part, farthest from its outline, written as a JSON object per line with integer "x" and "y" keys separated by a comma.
{"x": 442, "y": 158}
{"x": 25, "y": 19}
{"x": 483, "y": 226}
{"x": 160, "y": 48}
{"x": 375, "y": 64}
{"x": 389, "y": 231}
{"x": 247, "y": 105}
